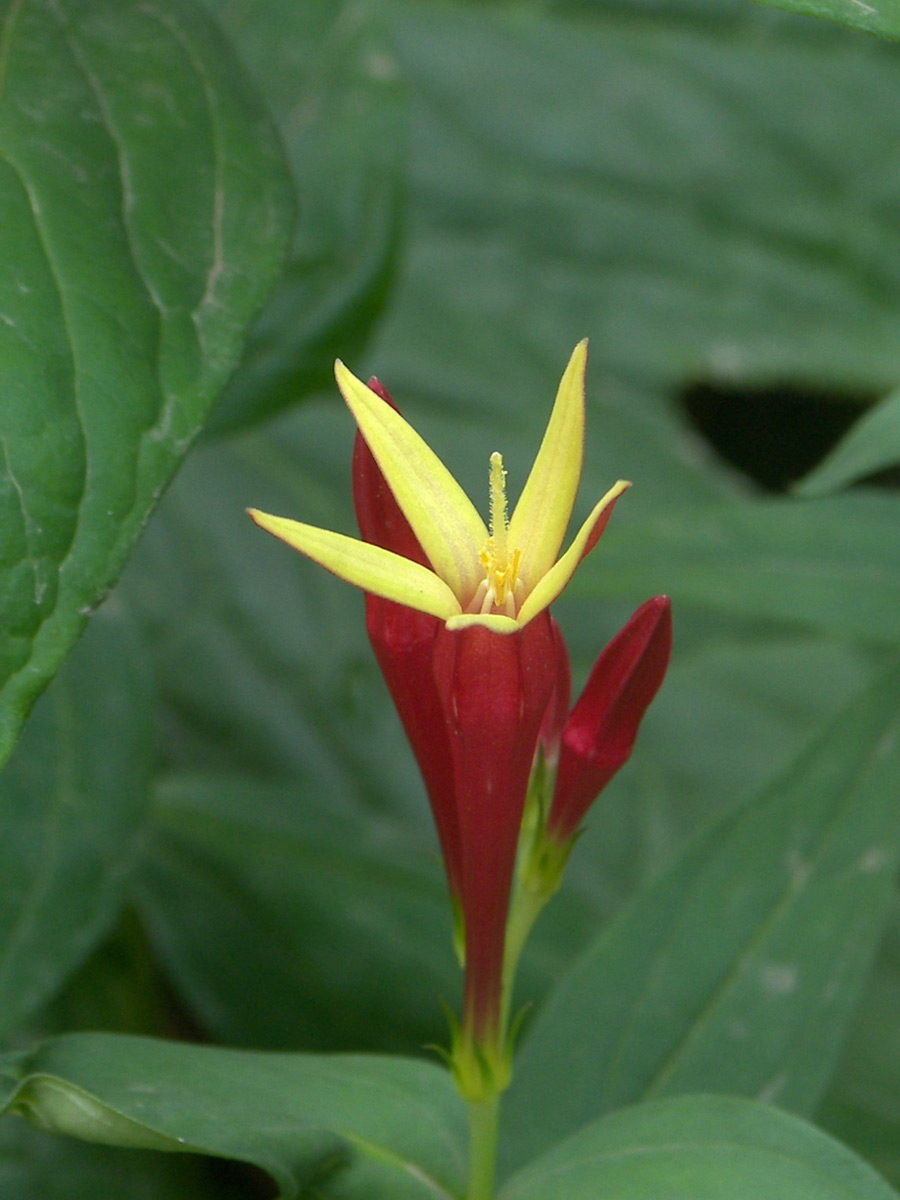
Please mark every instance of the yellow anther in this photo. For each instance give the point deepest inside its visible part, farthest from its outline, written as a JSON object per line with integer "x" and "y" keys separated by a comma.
{"x": 499, "y": 520}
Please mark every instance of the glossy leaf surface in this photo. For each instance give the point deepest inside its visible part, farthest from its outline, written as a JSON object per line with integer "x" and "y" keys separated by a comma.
{"x": 74, "y": 798}
{"x": 145, "y": 212}
{"x": 828, "y": 565}
{"x": 301, "y": 1118}
{"x": 331, "y": 79}
{"x": 699, "y": 1148}
{"x": 286, "y": 922}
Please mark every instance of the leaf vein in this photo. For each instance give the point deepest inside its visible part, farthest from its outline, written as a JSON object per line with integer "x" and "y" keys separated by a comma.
{"x": 776, "y": 909}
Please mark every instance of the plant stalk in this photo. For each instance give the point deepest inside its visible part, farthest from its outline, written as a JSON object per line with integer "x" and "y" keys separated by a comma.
{"x": 484, "y": 1117}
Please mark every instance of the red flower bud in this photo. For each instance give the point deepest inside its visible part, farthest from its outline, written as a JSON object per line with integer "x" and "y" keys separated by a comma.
{"x": 600, "y": 733}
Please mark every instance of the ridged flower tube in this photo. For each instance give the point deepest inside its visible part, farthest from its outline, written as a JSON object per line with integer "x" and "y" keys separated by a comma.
{"x": 494, "y": 691}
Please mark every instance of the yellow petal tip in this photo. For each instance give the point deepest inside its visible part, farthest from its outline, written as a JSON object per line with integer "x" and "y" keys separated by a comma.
{"x": 342, "y": 373}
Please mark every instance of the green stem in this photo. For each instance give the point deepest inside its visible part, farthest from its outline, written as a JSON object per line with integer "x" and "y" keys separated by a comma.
{"x": 482, "y": 1068}
{"x": 484, "y": 1116}
{"x": 525, "y": 909}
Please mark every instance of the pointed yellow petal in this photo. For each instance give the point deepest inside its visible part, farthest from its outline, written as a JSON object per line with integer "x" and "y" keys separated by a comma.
{"x": 442, "y": 516}
{"x": 496, "y": 621}
{"x": 371, "y": 568}
{"x": 559, "y": 575}
{"x": 542, "y": 515}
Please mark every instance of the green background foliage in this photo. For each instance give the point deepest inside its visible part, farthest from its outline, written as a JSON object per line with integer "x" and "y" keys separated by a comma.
{"x": 212, "y": 829}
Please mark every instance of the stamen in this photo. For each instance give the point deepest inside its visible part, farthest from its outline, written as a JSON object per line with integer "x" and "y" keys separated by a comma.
{"x": 498, "y": 591}
{"x": 499, "y": 521}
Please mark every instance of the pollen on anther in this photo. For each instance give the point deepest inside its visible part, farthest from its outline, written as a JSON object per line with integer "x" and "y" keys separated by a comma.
{"x": 499, "y": 522}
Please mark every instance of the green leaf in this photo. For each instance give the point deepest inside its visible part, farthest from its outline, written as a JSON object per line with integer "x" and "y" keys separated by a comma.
{"x": 145, "y": 211}
{"x": 862, "y": 1106}
{"x": 73, "y": 800}
{"x": 299, "y": 1117}
{"x": 739, "y": 969}
{"x": 872, "y": 443}
{"x": 332, "y": 82}
{"x": 34, "y": 1166}
{"x": 684, "y": 199}
{"x": 285, "y": 919}
{"x": 699, "y": 1148}
{"x": 873, "y": 16}
{"x": 829, "y": 565}
{"x": 657, "y": 204}
{"x": 119, "y": 989}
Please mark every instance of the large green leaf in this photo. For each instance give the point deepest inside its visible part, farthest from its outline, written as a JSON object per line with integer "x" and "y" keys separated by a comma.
{"x": 144, "y": 214}
{"x": 333, "y": 84}
{"x": 701, "y": 200}
{"x": 831, "y": 565}
{"x": 299, "y": 1117}
{"x": 73, "y": 800}
{"x": 698, "y": 1148}
{"x": 738, "y": 971}
{"x": 705, "y": 203}
{"x": 286, "y": 920}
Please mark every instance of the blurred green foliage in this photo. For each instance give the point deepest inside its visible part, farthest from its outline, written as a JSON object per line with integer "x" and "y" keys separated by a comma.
{"x": 212, "y": 816}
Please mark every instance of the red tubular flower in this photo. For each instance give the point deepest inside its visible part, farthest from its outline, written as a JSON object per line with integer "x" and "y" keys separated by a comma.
{"x": 471, "y": 704}
{"x": 600, "y": 733}
{"x": 458, "y": 614}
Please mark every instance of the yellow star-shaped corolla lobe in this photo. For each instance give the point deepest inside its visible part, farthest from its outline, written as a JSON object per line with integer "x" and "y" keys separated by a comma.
{"x": 500, "y": 577}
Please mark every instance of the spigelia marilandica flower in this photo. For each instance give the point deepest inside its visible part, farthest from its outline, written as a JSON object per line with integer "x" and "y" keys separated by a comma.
{"x": 458, "y": 616}
{"x": 470, "y": 702}
{"x": 500, "y": 578}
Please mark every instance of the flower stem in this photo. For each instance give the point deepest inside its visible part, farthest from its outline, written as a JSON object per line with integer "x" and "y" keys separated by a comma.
{"x": 484, "y": 1118}
{"x": 526, "y": 908}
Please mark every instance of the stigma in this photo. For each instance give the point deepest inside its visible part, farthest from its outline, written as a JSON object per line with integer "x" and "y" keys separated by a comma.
{"x": 497, "y": 592}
